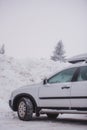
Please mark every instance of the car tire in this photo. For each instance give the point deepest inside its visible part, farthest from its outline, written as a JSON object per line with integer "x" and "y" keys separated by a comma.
{"x": 52, "y": 116}
{"x": 25, "y": 109}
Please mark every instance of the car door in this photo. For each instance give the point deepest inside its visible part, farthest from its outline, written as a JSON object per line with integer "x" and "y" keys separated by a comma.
{"x": 56, "y": 92}
{"x": 79, "y": 90}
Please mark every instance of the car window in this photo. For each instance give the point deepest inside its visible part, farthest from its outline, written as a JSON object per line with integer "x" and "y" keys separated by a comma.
{"x": 63, "y": 76}
{"x": 82, "y": 74}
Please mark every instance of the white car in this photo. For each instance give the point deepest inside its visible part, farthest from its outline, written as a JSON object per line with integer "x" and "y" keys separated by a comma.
{"x": 64, "y": 92}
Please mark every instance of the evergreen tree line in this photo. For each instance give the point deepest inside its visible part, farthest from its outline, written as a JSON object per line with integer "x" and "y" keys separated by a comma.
{"x": 58, "y": 53}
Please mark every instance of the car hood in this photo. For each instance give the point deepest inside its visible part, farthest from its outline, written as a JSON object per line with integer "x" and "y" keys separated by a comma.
{"x": 31, "y": 86}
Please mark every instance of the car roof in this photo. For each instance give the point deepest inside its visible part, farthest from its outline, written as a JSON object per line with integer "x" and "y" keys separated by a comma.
{"x": 77, "y": 65}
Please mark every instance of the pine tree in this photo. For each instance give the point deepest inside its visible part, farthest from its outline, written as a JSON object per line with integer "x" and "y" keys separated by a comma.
{"x": 58, "y": 54}
{"x": 2, "y": 49}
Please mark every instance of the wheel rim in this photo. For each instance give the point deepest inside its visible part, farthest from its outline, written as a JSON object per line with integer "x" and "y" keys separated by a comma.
{"x": 22, "y": 109}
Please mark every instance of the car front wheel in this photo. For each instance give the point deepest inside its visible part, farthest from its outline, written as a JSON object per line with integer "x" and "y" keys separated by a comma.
{"x": 25, "y": 109}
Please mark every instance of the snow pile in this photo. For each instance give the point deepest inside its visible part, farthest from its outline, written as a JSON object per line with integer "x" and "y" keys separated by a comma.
{"x": 42, "y": 68}
{"x": 14, "y": 73}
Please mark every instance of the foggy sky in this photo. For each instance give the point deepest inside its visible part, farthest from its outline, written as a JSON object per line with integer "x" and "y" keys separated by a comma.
{"x": 32, "y": 28}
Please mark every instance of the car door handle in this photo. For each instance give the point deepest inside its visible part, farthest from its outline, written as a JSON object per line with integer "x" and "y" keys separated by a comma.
{"x": 65, "y": 87}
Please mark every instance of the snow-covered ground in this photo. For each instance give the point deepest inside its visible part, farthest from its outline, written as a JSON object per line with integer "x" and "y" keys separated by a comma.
{"x": 13, "y": 74}
{"x": 10, "y": 121}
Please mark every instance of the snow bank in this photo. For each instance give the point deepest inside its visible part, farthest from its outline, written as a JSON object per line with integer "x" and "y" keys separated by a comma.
{"x": 41, "y": 68}
{"x": 12, "y": 75}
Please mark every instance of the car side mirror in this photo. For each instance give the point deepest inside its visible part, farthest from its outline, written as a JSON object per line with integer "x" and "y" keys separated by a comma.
{"x": 45, "y": 81}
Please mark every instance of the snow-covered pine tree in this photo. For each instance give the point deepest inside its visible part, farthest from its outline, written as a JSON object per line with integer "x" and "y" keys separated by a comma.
{"x": 58, "y": 54}
{"x": 2, "y": 49}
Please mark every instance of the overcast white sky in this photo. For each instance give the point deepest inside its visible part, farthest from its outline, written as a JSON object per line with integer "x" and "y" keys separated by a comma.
{"x": 32, "y": 28}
